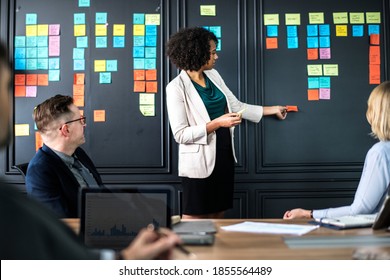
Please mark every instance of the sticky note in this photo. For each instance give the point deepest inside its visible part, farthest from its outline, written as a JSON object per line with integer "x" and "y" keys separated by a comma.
{"x": 138, "y": 30}
{"x": 99, "y": 115}
{"x": 292, "y": 42}
{"x": 20, "y": 91}
{"x": 314, "y": 69}
{"x": 324, "y": 42}
{"x": 324, "y": 93}
{"x": 373, "y": 29}
{"x": 293, "y": 19}
{"x": 31, "y": 19}
{"x": 151, "y": 75}
{"x": 341, "y": 30}
{"x": 208, "y": 10}
{"x": 38, "y": 141}
{"x": 78, "y": 53}
{"x": 151, "y": 87}
{"x": 152, "y": 19}
{"x": 340, "y": 18}
{"x": 20, "y": 64}
{"x": 111, "y": 65}
{"x": 292, "y": 31}
{"x": 357, "y": 30}
{"x": 54, "y": 75}
{"x": 219, "y": 46}
{"x": 138, "y": 18}
{"x": 138, "y": 52}
{"x": 331, "y": 69}
{"x": 31, "y": 41}
{"x": 139, "y": 63}
{"x": 100, "y": 30}
{"x": 31, "y": 91}
{"x": 78, "y": 100}
{"x": 147, "y": 110}
{"x": 312, "y": 94}
{"x": 312, "y": 54}
{"x": 324, "y": 29}
{"x": 20, "y": 41}
{"x": 272, "y": 30}
{"x": 79, "y": 30}
{"x": 375, "y": 55}
{"x": 31, "y": 30}
{"x": 20, "y": 53}
{"x": 78, "y": 90}
{"x": 43, "y": 29}
{"x": 42, "y": 64}
{"x": 373, "y": 17}
{"x": 324, "y": 82}
{"x": 31, "y": 79}
{"x": 312, "y": 30}
{"x": 138, "y": 41}
{"x": 271, "y": 19}
{"x": 374, "y": 74}
{"x": 43, "y": 52}
{"x": 271, "y": 43}
{"x": 325, "y": 53}
{"x": 316, "y": 18}
{"x": 54, "y": 29}
{"x": 84, "y": 3}
{"x": 374, "y": 39}
{"x": 79, "y": 18}
{"x": 22, "y": 129}
{"x": 139, "y": 75}
{"x": 313, "y": 82}
{"x": 146, "y": 99}
{"x": 312, "y": 42}
{"x": 43, "y": 80}
{"x": 150, "y": 52}
{"x": 100, "y": 65}
{"x": 78, "y": 64}
{"x": 100, "y": 42}
{"x": 54, "y": 63}
{"x": 139, "y": 86}
{"x": 82, "y": 42}
{"x": 105, "y": 78}
{"x": 151, "y": 41}
{"x": 119, "y": 30}
{"x": 54, "y": 45}
{"x": 101, "y": 18}
{"x": 20, "y": 79}
{"x": 150, "y": 63}
{"x": 31, "y": 52}
{"x": 31, "y": 64}
{"x": 356, "y": 18}
{"x": 79, "y": 79}
{"x": 119, "y": 42}
{"x": 42, "y": 41}
{"x": 292, "y": 108}
{"x": 152, "y": 30}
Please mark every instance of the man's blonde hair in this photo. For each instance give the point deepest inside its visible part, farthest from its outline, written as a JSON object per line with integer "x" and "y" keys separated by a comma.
{"x": 378, "y": 111}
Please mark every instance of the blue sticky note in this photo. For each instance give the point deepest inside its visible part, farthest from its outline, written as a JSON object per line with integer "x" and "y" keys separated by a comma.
{"x": 31, "y": 19}
{"x": 151, "y": 30}
{"x": 42, "y": 63}
{"x": 78, "y": 53}
{"x": 138, "y": 41}
{"x": 105, "y": 77}
{"x": 373, "y": 29}
{"x": 217, "y": 30}
{"x": 219, "y": 45}
{"x": 20, "y": 41}
{"x": 138, "y": 52}
{"x": 292, "y": 31}
{"x": 312, "y": 30}
{"x": 42, "y": 41}
{"x": 139, "y": 63}
{"x": 324, "y": 42}
{"x": 31, "y": 52}
{"x": 150, "y": 52}
{"x": 313, "y": 83}
{"x": 20, "y": 53}
{"x": 292, "y": 42}
{"x": 118, "y": 42}
{"x": 84, "y": 3}
{"x": 43, "y": 52}
{"x": 112, "y": 65}
{"x": 79, "y": 18}
{"x": 150, "y": 63}
{"x": 324, "y": 29}
{"x": 138, "y": 18}
{"x": 206, "y": 27}
{"x": 82, "y": 42}
{"x": 54, "y": 75}
{"x": 151, "y": 41}
{"x": 20, "y": 64}
{"x": 35, "y": 126}
{"x": 101, "y": 18}
{"x": 54, "y": 63}
{"x": 324, "y": 82}
{"x": 31, "y": 64}
{"x": 78, "y": 64}
{"x": 357, "y": 30}
{"x": 101, "y": 42}
{"x": 31, "y": 41}
{"x": 272, "y": 30}
{"x": 312, "y": 42}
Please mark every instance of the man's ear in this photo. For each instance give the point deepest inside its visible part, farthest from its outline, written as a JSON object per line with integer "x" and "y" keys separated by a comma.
{"x": 64, "y": 130}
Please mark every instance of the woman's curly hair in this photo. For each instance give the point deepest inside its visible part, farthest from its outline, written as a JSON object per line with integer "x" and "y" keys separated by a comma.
{"x": 189, "y": 49}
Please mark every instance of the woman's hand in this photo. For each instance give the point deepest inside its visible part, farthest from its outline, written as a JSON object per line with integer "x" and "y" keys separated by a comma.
{"x": 297, "y": 213}
{"x": 228, "y": 120}
{"x": 279, "y": 111}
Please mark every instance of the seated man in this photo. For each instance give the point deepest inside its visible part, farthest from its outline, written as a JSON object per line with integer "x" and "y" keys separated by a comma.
{"x": 60, "y": 168}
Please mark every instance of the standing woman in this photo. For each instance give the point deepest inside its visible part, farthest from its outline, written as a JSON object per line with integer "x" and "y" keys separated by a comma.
{"x": 202, "y": 114}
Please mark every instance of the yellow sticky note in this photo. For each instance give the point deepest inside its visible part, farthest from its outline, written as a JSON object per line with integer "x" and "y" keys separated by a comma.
{"x": 373, "y": 17}
{"x": 271, "y": 19}
{"x": 152, "y": 19}
{"x": 208, "y": 10}
{"x": 22, "y": 129}
{"x": 331, "y": 69}
{"x": 31, "y": 30}
{"x": 100, "y": 66}
{"x": 356, "y": 18}
{"x": 119, "y": 30}
{"x": 314, "y": 70}
{"x": 342, "y": 30}
{"x": 293, "y": 19}
{"x": 79, "y": 30}
{"x": 340, "y": 18}
{"x": 43, "y": 30}
{"x": 100, "y": 30}
{"x": 146, "y": 98}
{"x": 147, "y": 110}
{"x": 139, "y": 30}
{"x": 99, "y": 115}
{"x": 316, "y": 18}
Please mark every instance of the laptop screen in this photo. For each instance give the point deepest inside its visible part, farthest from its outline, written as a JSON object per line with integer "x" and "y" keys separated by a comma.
{"x": 111, "y": 218}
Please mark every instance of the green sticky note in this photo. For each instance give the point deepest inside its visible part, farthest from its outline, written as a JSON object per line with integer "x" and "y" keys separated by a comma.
{"x": 54, "y": 75}
{"x": 84, "y": 3}
{"x": 101, "y": 18}
{"x": 111, "y": 65}
{"x": 79, "y": 18}
{"x": 105, "y": 78}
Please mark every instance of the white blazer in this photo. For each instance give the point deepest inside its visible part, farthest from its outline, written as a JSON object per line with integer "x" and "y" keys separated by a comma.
{"x": 188, "y": 118}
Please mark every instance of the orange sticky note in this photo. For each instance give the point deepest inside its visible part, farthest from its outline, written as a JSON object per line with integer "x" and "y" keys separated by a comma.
{"x": 375, "y": 74}
{"x": 78, "y": 79}
{"x": 313, "y": 94}
{"x": 151, "y": 75}
{"x": 375, "y": 55}
{"x": 31, "y": 79}
{"x": 374, "y": 39}
{"x": 20, "y": 80}
{"x": 38, "y": 141}
{"x": 43, "y": 79}
{"x": 99, "y": 115}
{"x": 78, "y": 100}
{"x": 78, "y": 90}
{"x": 312, "y": 54}
{"x": 271, "y": 43}
{"x": 20, "y": 91}
{"x": 139, "y": 75}
{"x": 291, "y": 108}
{"x": 151, "y": 87}
{"x": 139, "y": 86}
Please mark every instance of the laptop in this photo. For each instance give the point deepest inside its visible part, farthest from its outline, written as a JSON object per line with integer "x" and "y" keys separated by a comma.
{"x": 112, "y": 217}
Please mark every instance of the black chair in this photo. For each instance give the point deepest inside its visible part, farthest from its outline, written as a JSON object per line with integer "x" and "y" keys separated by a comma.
{"x": 22, "y": 168}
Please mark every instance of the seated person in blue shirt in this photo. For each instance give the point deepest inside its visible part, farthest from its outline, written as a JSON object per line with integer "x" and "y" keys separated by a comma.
{"x": 60, "y": 168}
{"x": 375, "y": 179}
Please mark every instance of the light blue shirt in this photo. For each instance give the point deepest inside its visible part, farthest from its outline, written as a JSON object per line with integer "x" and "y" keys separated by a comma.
{"x": 372, "y": 188}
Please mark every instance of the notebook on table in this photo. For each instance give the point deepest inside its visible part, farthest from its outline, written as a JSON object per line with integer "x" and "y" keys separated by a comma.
{"x": 201, "y": 232}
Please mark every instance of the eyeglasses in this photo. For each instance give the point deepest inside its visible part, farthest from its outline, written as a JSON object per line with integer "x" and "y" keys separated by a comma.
{"x": 83, "y": 121}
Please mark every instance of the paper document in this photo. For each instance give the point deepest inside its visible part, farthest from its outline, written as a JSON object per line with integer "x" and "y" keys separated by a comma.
{"x": 271, "y": 228}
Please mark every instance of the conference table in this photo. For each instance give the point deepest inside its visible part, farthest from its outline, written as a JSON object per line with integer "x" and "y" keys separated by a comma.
{"x": 255, "y": 246}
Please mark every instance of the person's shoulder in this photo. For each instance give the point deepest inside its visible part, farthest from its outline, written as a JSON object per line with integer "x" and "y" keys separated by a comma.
{"x": 380, "y": 149}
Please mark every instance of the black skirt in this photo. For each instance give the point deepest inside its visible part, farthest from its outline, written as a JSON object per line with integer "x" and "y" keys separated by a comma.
{"x": 214, "y": 193}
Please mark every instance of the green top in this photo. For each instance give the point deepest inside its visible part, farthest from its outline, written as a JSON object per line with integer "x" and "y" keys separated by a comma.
{"x": 212, "y": 97}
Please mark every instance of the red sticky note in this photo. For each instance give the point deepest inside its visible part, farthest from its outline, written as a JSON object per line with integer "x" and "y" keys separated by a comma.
{"x": 151, "y": 75}
{"x": 139, "y": 75}
{"x": 312, "y": 54}
{"x": 78, "y": 100}
{"x": 291, "y": 108}
{"x": 43, "y": 79}
{"x": 374, "y": 39}
{"x": 375, "y": 55}
{"x": 151, "y": 87}
{"x": 31, "y": 79}
{"x": 99, "y": 115}
{"x": 38, "y": 141}
{"x": 313, "y": 94}
{"x": 375, "y": 74}
{"x": 78, "y": 79}
{"x": 20, "y": 91}
{"x": 20, "y": 80}
{"x": 78, "y": 90}
{"x": 271, "y": 43}
{"x": 139, "y": 86}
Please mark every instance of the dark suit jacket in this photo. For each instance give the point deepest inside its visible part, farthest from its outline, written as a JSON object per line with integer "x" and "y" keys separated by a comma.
{"x": 29, "y": 231}
{"x": 51, "y": 182}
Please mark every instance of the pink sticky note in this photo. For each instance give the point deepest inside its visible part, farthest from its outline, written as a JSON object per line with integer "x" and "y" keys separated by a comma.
{"x": 31, "y": 91}
{"x": 54, "y": 29}
{"x": 54, "y": 45}
{"x": 324, "y": 93}
{"x": 324, "y": 53}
